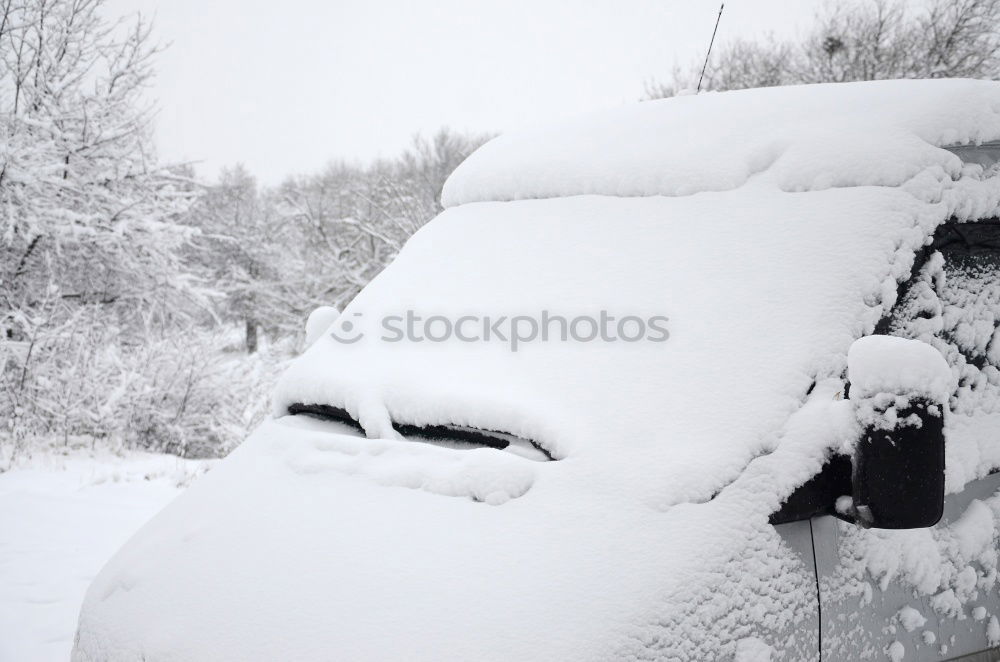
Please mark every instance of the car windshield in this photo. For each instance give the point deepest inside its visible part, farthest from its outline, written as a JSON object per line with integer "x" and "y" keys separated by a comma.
{"x": 986, "y": 154}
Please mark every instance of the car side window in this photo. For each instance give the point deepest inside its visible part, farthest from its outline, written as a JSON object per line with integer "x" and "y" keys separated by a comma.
{"x": 953, "y": 303}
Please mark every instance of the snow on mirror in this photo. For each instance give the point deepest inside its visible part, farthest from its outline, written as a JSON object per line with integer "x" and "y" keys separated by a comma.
{"x": 900, "y": 388}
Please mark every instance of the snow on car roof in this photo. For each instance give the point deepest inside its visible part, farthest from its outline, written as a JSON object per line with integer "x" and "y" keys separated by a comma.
{"x": 806, "y": 137}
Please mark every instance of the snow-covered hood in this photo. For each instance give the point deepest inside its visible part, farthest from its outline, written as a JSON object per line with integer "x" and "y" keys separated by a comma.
{"x": 311, "y": 544}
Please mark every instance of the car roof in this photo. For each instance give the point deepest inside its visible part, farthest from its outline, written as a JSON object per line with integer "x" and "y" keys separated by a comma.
{"x": 805, "y": 137}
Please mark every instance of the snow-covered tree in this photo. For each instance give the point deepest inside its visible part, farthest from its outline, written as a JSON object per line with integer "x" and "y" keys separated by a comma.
{"x": 275, "y": 254}
{"x": 352, "y": 220}
{"x": 859, "y": 40}
{"x": 87, "y": 213}
{"x": 238, "y": 249}
{"x": 89, "y": 231}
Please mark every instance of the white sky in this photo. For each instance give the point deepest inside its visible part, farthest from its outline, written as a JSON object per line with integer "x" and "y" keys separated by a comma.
{"x": 285, "y": 86}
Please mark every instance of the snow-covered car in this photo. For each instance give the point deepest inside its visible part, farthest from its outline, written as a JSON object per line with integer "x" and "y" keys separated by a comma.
{"x": 757, "y": 419}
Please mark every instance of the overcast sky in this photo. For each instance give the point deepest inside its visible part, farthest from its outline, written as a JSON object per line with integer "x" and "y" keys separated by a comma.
{"x": 286, "y": 86}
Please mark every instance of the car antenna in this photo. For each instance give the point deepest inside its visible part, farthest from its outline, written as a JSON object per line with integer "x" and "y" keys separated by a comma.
{"x": 709, "y": 53}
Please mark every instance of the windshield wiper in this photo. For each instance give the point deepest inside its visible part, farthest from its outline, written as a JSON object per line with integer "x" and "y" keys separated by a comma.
{"x": 440, "y": 433}
{"x": 327, "y": 413}
{"x": 476, "y": 437}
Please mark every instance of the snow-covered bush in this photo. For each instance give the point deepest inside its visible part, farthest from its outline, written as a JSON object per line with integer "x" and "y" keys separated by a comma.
{"x": 84, "y": 382}
{"x": 108, "y": 332}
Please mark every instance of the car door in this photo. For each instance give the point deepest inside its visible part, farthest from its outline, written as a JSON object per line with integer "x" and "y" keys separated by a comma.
{"x": 797, "y": 535}
{"x": 932, "y": 594}
{"x": 873, "y": 605}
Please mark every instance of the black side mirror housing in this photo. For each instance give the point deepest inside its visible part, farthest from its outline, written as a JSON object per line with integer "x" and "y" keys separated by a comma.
{"x": 898, "y": 477}
{"x": 899, "y": 388}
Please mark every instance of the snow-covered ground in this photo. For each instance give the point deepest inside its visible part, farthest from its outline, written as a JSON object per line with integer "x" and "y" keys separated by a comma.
{"x": 61, "y": 519}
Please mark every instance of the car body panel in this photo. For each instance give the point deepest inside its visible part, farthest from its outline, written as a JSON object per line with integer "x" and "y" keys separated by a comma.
{"x": 861, "y": 611}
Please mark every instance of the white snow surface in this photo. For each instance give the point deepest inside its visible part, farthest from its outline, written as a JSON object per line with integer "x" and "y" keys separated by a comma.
{"x": 320, "y": 555}
{"x": 993, "y": 631}
{"x": 900, "y": 366}
{"x": 752, "y": 649}
{"x": 648, "y": 537}
{"x": 62, "y": 517}
{"x": 910, "y": 618}
{"x": 804, "y": 137}
{"x": 319, "y": 321}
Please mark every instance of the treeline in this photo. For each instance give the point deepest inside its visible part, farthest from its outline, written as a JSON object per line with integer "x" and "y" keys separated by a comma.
{"x": 276, "y": 253}
{"x": 139, "y": 306}
{"x": 857, "y": 40}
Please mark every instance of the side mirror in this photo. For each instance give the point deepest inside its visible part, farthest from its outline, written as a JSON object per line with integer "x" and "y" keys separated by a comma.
{"x": 899, "y": 388}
